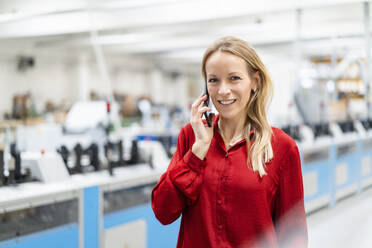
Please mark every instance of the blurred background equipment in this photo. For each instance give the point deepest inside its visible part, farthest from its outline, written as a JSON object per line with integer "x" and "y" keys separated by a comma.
{"x": 25, "y": 63}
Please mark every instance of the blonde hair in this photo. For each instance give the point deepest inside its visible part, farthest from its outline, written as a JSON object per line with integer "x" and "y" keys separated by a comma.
{"x": 261, "y": 151}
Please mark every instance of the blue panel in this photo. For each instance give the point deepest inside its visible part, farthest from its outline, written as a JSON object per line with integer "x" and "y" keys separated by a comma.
{"x": 364, "y": 154}
{"x": 353, "y": 168}
{"x": 91, "y": 215}
{"x": 322, "y": 171}
{"x": 59, "y": 237}
{"x": 146, "y": 137}
{"x": 332, "y": 177}
{"x": 158, "y": 235}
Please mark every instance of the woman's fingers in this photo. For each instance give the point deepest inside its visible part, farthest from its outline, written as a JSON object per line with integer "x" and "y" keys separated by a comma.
{"x": 201, "y": 131}
{"x": 197, "y": 103}
{"x": 202, "y": 110}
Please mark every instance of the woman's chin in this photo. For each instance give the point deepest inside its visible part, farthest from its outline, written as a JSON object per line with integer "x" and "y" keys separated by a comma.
{"x": 227, "y": 115}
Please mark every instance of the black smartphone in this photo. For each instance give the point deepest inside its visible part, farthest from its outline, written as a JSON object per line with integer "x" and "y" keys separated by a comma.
{"x": 206, "y": 104}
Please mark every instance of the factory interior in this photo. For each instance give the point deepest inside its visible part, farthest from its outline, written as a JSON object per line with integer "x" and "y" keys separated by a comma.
{"x": 93, "y": 95}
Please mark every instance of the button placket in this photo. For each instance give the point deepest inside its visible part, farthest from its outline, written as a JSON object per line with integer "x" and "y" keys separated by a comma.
{"x": 222, "y": 180}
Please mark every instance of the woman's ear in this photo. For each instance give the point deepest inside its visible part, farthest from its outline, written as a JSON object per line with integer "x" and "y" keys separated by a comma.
{"x": 256, "y": 80}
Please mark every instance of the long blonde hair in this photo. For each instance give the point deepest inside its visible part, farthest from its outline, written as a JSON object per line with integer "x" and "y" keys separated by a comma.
{"x": 261, "y": 151}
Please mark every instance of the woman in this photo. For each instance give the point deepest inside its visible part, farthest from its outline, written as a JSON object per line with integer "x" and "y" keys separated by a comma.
{"x": 237, "y": 183}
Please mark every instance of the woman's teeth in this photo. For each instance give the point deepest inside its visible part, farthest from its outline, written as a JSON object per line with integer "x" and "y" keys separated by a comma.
{"x": 226, "y": 102}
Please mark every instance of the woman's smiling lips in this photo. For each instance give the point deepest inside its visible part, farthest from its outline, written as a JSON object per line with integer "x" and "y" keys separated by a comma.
{"x": 226, "y": 102}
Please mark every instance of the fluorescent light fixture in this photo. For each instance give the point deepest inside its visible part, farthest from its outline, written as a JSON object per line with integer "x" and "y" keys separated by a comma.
{"x": 15, "y": 16}
{"x": 31, "y": 10}
{"x": 112, "y": 5}
{"x": 123, "y": 39}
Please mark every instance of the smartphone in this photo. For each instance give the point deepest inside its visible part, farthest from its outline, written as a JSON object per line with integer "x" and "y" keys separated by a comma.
{"x": 206, "y": 104}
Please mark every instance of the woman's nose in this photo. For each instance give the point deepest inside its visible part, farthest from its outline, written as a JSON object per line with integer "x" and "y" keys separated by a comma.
{"x": 223, "y": 89}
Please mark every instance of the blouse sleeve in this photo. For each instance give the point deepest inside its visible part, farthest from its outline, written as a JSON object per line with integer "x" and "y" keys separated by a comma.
{"x": 180, "y": 185}
{"x": 289, "y": 213}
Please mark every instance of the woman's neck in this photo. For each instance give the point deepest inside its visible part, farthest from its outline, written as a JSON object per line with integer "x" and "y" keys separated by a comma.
{"x": 230, "y": 128}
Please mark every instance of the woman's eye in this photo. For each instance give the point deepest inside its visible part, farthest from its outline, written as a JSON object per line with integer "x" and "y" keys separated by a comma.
{"x": 212, "y": 80}
{"x": 235, "y": 78}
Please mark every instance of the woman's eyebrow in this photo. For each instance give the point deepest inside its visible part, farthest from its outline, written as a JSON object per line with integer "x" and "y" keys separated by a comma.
{"x": 236, "y": 72}
{"x": 211, "y": 75}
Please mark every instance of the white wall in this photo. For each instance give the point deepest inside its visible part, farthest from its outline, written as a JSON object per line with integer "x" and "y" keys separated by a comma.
{"x": 282, "y": 105}
{"x": 61, "y": 78}
{"x": 48, "y": 80}
{"x": 135, "y": 82}
{"x": 282, "y": 70}
{"x": 70, "y": 79}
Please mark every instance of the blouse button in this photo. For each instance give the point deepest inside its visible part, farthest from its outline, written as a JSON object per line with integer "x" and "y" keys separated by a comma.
{"x": 219, "y": 227}
{"x": 219, "y": 202}
{"x": 226, "y": 155}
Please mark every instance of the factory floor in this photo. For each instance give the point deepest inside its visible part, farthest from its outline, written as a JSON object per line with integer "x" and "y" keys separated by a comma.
{"x": 347, "y": 224}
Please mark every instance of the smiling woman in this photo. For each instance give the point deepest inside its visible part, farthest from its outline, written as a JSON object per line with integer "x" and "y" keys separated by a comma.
{"x": 229, "y": 84}
{"x": 237, "y": 183}
{"x": 242, "y": 73}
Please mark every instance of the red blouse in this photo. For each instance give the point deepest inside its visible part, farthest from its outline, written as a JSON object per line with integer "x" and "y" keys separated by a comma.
{"x": 225, "y": 204}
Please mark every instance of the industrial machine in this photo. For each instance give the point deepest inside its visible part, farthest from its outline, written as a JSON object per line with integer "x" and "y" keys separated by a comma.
{"x": 315, "y": 149}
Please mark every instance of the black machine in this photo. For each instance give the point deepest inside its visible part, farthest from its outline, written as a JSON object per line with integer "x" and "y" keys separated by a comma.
{"x": 80, "y": 160}
{"x": 85, "y": 159}
{"x": 17, "y": 162}
{"x": 168, "y": 143}
{"x": 91, "y": 152}
{"x": 14, "y": 174}
{"x": 367, "y": 124}
{"x": 347, "y": 126}
{"x": 65, "y": 153}
{"x": 2, "y": 167}
{"x": 293, "y": 131}
{"x": 114, "y": 153}
{"x": 18, "y": 175}
{"x": 321, "y": 129}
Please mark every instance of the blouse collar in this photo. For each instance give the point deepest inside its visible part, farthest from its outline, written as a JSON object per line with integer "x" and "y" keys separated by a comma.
{"x": 219, "y": 137}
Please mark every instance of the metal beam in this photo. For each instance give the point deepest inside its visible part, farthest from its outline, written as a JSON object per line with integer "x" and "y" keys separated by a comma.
{"x": 367, "y": 71}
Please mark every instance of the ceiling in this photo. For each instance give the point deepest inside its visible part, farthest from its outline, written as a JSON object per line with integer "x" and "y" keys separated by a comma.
{"x": 179, "y": 30}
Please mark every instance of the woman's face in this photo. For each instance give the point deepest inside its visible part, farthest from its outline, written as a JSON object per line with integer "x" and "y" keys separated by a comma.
{"x": 229, "y": 84}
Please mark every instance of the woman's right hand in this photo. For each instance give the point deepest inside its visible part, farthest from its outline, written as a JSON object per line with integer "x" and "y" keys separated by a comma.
{"x": 203, "y": 133}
